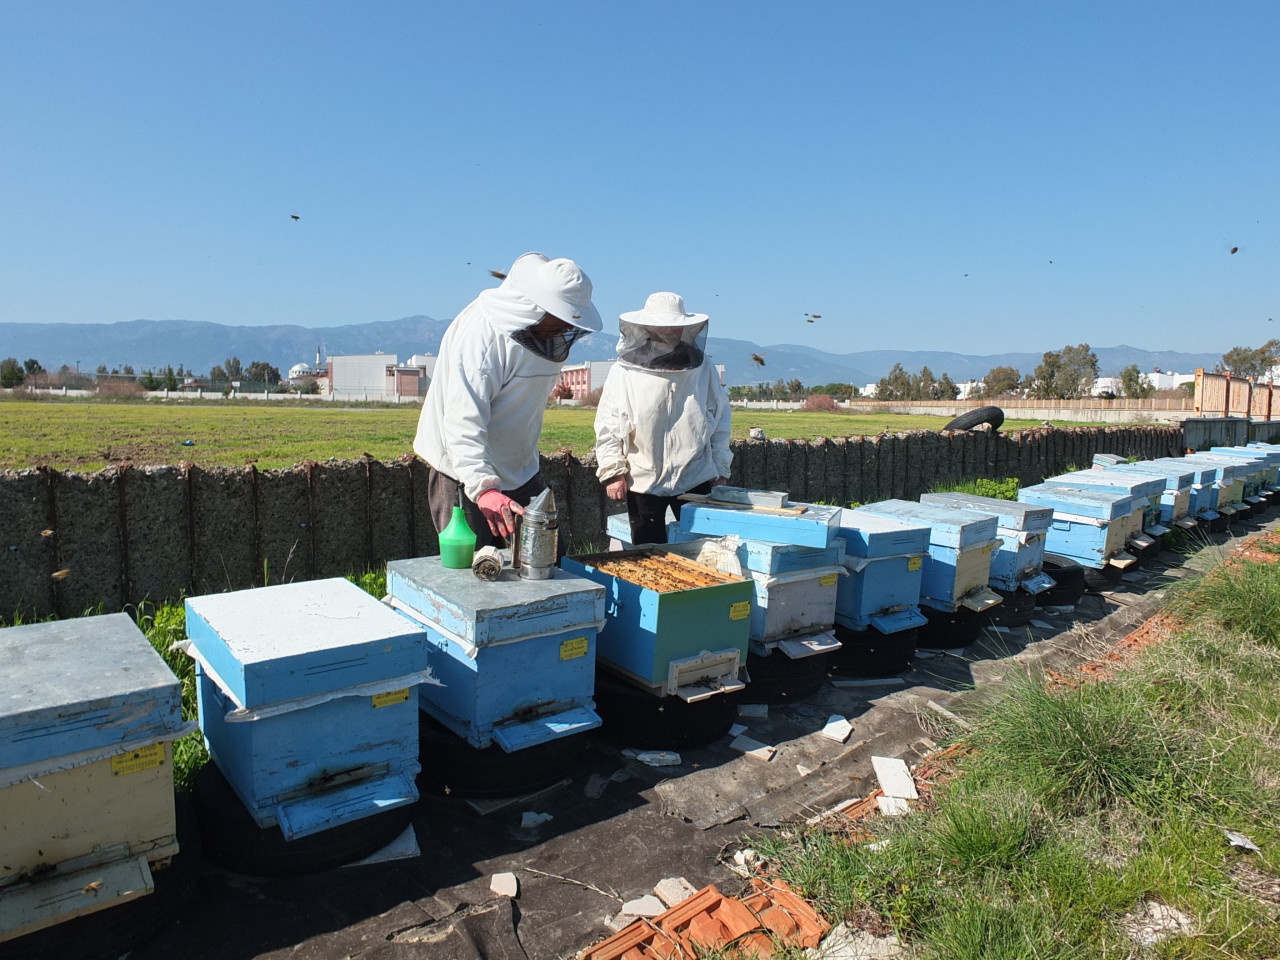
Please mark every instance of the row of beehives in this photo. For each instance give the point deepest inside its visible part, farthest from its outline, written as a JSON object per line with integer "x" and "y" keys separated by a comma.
{"x": 309, "y": 693}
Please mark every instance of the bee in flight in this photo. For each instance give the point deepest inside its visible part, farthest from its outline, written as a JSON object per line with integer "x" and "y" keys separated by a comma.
{"x": 758, "y": 359}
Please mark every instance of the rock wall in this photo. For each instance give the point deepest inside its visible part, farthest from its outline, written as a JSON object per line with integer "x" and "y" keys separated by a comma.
{"x": 72, "y": 543}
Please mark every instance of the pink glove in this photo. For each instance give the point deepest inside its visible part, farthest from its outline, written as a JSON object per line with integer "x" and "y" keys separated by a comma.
{"x": 616, "y": 489}
{"x": 499, "y": 510}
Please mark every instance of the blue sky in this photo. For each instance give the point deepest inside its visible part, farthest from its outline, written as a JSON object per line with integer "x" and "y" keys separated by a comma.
{"x": 977, "y": 176}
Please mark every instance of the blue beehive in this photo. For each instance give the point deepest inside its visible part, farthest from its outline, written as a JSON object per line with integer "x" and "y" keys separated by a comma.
{"x": 1019, "y": 559}
{"x": 1144, "y": 488}
{"x": 803, "y": 524}
{"x": 1175, "y": 500}
{"x": 516, "y": 658}
{"x": 1090, "y": 524}
{"x": 957, "y": 568}
{"x": 1273, "y": 459}
{"x": 1261, "y": 468}
{"x": 306, "y": 700}
{"x": 1203, "y": 501}
{"x": 671, "y": 640}
{"x": 884, "y": 558}
{"x": 1230, "y": 476}
{"x": 87, "y": 716}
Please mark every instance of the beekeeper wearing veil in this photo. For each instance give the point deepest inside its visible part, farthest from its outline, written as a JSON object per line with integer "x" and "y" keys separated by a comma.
{"x": 498, "y": 362}
{"x": 662, "y": 425}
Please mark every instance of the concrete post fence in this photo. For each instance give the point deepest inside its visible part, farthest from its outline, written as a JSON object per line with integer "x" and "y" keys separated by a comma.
{"x": 71, "y": 543}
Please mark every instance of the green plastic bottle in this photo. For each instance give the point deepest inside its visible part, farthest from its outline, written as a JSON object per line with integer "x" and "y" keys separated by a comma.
{"x": 457, "y": 542}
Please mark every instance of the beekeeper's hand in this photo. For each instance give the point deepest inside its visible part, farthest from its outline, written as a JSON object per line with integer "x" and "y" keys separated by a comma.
{"x": 616, "y": 489}
{"x": 720, "y": 482}
{"x": 499, "y": 511}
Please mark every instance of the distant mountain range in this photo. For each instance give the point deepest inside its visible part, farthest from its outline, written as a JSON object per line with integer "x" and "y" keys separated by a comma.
{"x": 199, "y": 346}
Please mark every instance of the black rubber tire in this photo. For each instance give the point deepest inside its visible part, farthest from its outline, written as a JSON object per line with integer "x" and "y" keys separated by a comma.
{"x": 1096, "y": 581}
{"x": 870, "y": 653}
{"x": 777, "y": 678}
{"x": 1068, "y": 585}
{"x": 973, "y": 418}
{"x": 454, "y": 767}
{"x": 636, "y": 718}
{"x": 1015, "y": 609}
{"x": 946, "y": 631}
{"x": 233, "y": 839}
{"x": 121, "y": 929}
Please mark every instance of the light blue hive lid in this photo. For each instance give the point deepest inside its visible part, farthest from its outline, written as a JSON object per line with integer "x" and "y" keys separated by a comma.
{"x": 870, "y": 535}
{"x": 1013, "y": 515}
{"x": 1093, "y": 503}
{"x": 1140, "y": 485}
{"x": 1176, "y": 478}
{"x": 297, "y": 640}
{"x": 948, "y": 527}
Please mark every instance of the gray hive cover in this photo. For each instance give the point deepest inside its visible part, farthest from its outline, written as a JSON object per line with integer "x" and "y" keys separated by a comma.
{"x": 78, "y": 686}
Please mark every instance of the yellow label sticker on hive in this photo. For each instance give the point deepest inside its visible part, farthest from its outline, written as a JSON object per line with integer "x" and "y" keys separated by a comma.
{"x": 828, "y": 580}
{"x": 573, "y": 648}
{"x": 135, "y": 761}
{"x": 740, "y": 610}
{"x": 390, "y": 697}
{"x": 914, "y": 563}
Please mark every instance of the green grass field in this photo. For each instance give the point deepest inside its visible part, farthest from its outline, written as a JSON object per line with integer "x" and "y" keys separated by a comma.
{"x": 89, "y": 435}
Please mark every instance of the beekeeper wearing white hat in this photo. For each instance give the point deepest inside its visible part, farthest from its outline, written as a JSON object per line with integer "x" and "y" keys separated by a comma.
{"x": 498, "y": 362}
{"x": 662, "y": 425}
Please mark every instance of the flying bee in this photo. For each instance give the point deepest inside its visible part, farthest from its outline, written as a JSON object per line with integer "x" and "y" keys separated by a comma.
{"x": 758, "y": 359}
{"x": 93, "y": 887}
{"x": 46, "y": 533}
{"x": 61, "y": 574}
{"x": 498, "y": 273}
{"x": 1234, "y": 249}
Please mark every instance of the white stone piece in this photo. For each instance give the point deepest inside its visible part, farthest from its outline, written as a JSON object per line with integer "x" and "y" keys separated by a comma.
{"x": 505, "y": 885}
{"x": 1042, "y": 625}
{"x": 531, "y": 819}
{"x": 674, "y": 890}
{"x": 737, "y": 728}
{"x": 659, "y": 758}
{"x": 843, "y": 943}
{"x": 646, "y": 906}
{"x": 893, "y": 806}
{"x": 595, "y": 785}
{"x": 837, "y": 728}
{"x": 753, "y": 748}
{"x": 745, "y": 857}
{"x": 802, "y": 770}
{"x": 895, "y": 779}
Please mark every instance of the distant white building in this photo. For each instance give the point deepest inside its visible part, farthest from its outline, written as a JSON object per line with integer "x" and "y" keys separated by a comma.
{"x": 374, "y": 376}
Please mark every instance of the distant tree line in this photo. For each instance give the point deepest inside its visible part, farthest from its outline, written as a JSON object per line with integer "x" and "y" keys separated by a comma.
{"x": 257, "y": 375}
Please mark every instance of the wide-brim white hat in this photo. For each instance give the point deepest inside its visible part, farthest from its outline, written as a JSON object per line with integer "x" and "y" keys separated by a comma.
{"x": 558, "y": 287}
{"x": 664, "y": 310}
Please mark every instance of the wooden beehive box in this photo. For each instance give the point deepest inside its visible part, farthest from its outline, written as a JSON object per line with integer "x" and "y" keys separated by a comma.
{"x": 86, "y": 775}
{"x": 1229, "y": 476}
{"x": 673, "y": 612}
{"x": 307, "y": 700}
{"x": 1090, "y": 525}
{"x": 957, "y": 567}
{"x": 1018, "y": 560}
{"x": 884, "y": 562}
{"x": 515, "y": 658}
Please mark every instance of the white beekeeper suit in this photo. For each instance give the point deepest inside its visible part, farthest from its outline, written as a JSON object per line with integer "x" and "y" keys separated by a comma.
{"x": 482, "y": 415}
{"x": 663, "y": 417}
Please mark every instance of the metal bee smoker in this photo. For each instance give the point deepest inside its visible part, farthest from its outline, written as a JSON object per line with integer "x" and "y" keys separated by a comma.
{"x": 536, "y": 538}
